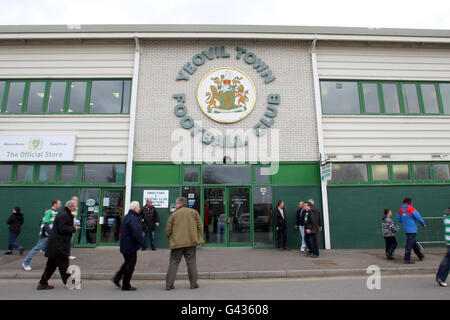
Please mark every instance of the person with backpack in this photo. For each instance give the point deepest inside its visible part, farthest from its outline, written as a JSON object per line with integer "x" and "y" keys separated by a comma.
{"x": 46, "y": 227}
{"x": 15, "y": 222}
{"x": 389, "y": 229}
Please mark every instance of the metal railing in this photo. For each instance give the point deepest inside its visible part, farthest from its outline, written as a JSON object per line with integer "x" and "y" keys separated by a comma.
{"x": 433, "y": 233}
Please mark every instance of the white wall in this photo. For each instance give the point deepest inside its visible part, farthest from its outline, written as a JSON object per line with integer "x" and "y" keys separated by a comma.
{"x": 99, "y": 138}
{"x": 66, "y": 59}
{"x": 383, "y": 61}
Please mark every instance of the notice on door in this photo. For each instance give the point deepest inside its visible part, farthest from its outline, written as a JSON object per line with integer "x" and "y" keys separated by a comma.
{"x": 160, "y": 198}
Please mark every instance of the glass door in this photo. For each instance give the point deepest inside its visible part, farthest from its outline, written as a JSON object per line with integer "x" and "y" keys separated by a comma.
{"x": 110, "y": 219}
{"x": 239, "y": 216}
{"x": 214, "y": 216}
{"x": 88, "y": 210}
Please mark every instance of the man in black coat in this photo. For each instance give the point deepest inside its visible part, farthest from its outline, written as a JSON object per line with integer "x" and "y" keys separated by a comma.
{"x": 15, "y": 222}
{"x": 280, "y": 226}
{"x": 150, "y": 219}
{"x": 131, "y": 240}
{"x": 313, "y": 225}
{"x": 58, "y": 246}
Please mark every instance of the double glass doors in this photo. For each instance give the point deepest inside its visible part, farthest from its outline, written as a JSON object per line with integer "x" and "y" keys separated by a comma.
{"x": 227, "y": 215}
{"x": 100, "y": 214}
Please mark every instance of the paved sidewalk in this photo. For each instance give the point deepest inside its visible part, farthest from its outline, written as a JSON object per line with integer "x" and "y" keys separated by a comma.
{"x": 230, "y": 263}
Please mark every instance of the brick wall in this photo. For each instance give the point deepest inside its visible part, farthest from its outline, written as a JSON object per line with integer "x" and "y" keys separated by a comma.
{"x": 289, "y": 61}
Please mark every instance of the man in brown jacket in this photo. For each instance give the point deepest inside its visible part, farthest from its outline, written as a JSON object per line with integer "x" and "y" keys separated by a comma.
{"x": 184, "y": 230}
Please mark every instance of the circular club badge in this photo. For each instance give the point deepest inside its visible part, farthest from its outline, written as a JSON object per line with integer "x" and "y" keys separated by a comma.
{"x": 226, "y": 95}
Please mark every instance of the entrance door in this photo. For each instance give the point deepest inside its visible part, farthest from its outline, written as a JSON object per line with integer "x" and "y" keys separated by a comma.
{"x": 88, "y": 215}
{"x": 111, "y": 216}
{"x": 227, "y": 216}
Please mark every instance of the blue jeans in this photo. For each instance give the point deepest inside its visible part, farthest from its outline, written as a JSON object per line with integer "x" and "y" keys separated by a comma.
{"x": 220, "y": 232}
{"x": 40, "y": 245}
{"x": 12, "y": 244}
{"x": 411, "y": 244}
{"x": 442, "y": 273}
{"x": 151, "y": 235}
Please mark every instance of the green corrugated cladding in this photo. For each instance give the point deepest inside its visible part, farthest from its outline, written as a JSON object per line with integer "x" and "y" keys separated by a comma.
{"x": 291, "y": 197}
{"x": 356, "y": 211}
{"x": 33, "y": 201}
{"x": 161, "y": 240}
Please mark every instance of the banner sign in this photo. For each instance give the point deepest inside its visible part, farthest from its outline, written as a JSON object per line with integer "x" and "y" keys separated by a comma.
{"x": 37, "y": 148}
{"x": 160, "y": 198}
{"x": 326, "y": 171}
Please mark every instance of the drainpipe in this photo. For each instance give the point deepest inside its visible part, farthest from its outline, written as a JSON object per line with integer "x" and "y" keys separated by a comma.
{"x": 323, "y": 184}
{"x": 134, "y": 89}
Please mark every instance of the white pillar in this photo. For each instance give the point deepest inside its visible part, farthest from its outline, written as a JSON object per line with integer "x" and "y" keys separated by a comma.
{"x": 323, "y": 184}
{"x": 134, "y": 89}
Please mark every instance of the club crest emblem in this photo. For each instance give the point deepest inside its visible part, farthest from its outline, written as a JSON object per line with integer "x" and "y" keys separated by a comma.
{"x": 36, "y": 144}
{"x": 226, "y": 95}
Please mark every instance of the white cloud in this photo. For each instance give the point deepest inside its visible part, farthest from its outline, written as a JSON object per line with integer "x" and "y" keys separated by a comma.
{"x": 381, "y": 13}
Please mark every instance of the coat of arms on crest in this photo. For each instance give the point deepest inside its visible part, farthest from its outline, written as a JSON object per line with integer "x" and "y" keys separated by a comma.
{"x": 36, "y": 144}
{"x": 226, "y": 95}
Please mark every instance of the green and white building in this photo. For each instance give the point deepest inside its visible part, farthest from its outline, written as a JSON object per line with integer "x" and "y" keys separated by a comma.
{"x": 116, "y": 113}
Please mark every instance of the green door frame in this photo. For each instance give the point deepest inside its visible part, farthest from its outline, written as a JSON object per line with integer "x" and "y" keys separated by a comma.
{"x": 227, "y": 210}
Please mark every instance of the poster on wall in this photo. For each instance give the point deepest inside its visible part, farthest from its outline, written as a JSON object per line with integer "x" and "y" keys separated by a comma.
{"x": 37, "y": 148}
{"x": 160, "y": 198}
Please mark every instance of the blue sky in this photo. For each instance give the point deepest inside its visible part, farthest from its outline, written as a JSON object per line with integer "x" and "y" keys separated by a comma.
{"x": 429, "y": 14}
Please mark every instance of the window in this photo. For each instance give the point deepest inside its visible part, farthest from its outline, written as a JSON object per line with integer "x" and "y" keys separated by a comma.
{"x": 262, "y": 174}
{"x": 371, "y": 98}
{"x": 104, "y": 173}
{"x": 410, "y": 98}
{"x": 57, "y": 96}
{"x": 422, "y": 172}
{"x": 69, "y": 173}
{"x": 441, "y": 172}
{"x": 445, "y": 94}
{"x": 25, "y": 172}
{"x": 227, "y": 174}
{"x": 36, "y": 96}
{"x": 5, "y": 172}
{"x": 47, "y": 173}
{"x": 190, "y": 174}
{"x": 14, "y": 101}
{"x": 400, "y": 171}
{"x": 429, "y": 98}
{"x": 349, "y": 172}
{"x": 107, "y": 97}
{"x": 380, "y": 172}
{"x": 340, "y": 97}
{"x": 2, "y": 92}
{"x": 77, "y": 97}
{"x": 390, "y": 94}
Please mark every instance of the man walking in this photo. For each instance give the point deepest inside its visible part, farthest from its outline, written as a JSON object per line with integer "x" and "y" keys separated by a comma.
{"x": 300, "y": 224}
{"x": 131, "y": 240}
{"x": 444, "y": 267}
{"x": 58, "y": 246}
{"x": 312, "y": 228}
{"x": 46, "y": 227}
{"x": 409, "y": 216}
{"x": 280, "y": 226}
{"x": 150, "y": 219}
{"x": 15, "y": 222}
{"x": 184, "y": 230}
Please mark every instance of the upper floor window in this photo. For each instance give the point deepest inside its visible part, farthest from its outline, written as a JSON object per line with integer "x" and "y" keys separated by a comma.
{"x": 65, "y": 96}
{"x": 385, "y": 97}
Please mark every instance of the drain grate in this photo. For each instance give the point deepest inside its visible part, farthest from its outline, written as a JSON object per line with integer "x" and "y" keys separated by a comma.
{"x": 323, "y": 262}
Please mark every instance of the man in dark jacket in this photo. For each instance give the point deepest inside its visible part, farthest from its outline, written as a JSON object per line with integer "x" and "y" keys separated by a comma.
{"x": 15, "y": 222}
{"x": 58, "y": 246}
{"x": 313, "y": 226}
{"x": 131, "y": 240}
{"x": 150, "y": 219}
{"x": 280, "y": 226}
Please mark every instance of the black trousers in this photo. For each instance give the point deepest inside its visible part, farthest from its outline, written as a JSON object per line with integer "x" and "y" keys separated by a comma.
{"x": 126, "y": 271}
{"x": 312, "y": 243}
{"x": 52, "y": 264}
{"x": 411, "y": 244}
{"x": 391, "y": 244}
{"x": 281, "y": 237}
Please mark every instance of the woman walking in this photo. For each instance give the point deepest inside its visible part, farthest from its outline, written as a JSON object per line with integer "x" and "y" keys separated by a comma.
{"x": 389, "y": 229}
{"x": 15, "y": 222}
